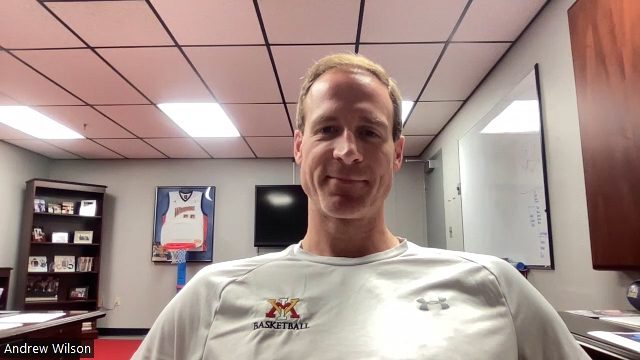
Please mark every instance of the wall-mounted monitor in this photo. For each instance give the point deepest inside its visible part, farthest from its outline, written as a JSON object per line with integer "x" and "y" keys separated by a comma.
{"x": 281, "y": 215}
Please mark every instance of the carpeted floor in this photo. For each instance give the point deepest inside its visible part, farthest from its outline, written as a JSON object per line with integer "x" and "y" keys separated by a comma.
{"x": 114, "y": 349}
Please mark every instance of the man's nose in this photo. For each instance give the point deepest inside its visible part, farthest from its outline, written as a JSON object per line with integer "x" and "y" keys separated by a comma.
{"x": 346, "y": 148}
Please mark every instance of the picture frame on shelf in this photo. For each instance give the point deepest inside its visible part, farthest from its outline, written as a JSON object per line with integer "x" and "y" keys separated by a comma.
{"x": 79, "y": 293}
{"x": 38, "y": 235}
{"x": 54, "y": 208}
{"x": 59, "y": 237}
{"x": 39, "y": 206}
{"x": 37, "y": 264}
{"x": 64, "y": 263}
{"x": 83, "y": 237}
{"x": 184, "y": 215}
{"x": 88, "y": 208}
{"x": 84, "y": 264}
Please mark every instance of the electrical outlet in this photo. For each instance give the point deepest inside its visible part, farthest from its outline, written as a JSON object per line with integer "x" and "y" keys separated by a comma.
{"x": 116, "y": 302}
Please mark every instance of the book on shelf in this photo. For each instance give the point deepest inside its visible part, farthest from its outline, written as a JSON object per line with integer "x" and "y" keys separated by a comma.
{"x": 42, "y": 288}
{"x": 37, "y": 264}
{"x": 85, "y": 264}
{"x": 64, "y": 263}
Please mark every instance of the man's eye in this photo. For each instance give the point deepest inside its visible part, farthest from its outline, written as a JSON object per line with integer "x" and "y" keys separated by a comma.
{"x": 327, "y": 130}
{"x": 370, "y": 133}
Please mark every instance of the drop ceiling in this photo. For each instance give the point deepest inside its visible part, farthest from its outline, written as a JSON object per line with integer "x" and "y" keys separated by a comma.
{"x": 100, "y": 67}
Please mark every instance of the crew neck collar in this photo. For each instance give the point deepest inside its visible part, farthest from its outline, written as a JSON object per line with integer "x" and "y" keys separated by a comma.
{"x": 397, "y": 250}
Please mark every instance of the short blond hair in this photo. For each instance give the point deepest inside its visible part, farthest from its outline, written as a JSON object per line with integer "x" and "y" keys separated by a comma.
{"x": 351, "y": 62}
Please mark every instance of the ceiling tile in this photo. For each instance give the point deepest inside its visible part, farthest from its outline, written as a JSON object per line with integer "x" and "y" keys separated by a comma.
{"x": 179, "y": 148}
{"x": 6, "y": 100}
{"x": 236, "y": 73}
{"x": 413, "y": 20}
{"x": 268, "y": 147}
{"x": 428, "y": 118}
{"x": 293, "y": 62}
{"x": 496, "y": 20}
{"x": 28, "y": 87}
{"x": 461, "y": 69}
{"x": 207, "y": 22}
{"x": 259, "y": 119}
{"x": 28, "y": 25}
{"x": 414, "y": 145}
{"x": 7, "y": 132}
{"x": 408, "y": 64}
{"x": 86, "y": 148}
{"x": 85, "y": 120}
{"x": 162, "y": 74}
{"x": 42, "y": 148}
{"x": 311, "y": 21}
{"x": 143, "y": 120}
{"x": 84, "y": 74}
{"x": 229, "y": 148}
{"x": 112, "y": 23}
{"x": 132, "y": 148}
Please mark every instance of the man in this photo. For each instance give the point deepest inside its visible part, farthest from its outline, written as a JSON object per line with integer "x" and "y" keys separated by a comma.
{"x": 351, "y": 289}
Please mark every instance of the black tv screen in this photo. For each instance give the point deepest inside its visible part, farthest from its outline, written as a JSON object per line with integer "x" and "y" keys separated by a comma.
{"x": 281, "y": 215}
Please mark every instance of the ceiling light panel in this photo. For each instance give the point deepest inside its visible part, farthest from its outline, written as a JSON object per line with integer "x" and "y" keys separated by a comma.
{"x": 428, "y": 118}
{"x": 412, "y": 20}
{"x": 88, "y": 149}
{"x": 28, "y": 87}
{"x": 179, "y": 148}
{"x": 310, "y": 21}
{"x": 414, "y": 145}
{"x": 237, "y": 73}
{"x": 205, "y": 22}
{"x": 272, "y": 147}
{"x": 200, "y": 119}
{"x": 408, "y": 64}
{"x": 461, "y": 69}
{"x": 259, "y": 119}
{"x": 143, "y": 120}
{"x": 28, "y": 25}
{"x": 34, "y": 123}
{"x": 226, "y": 148}
{"x": 85, "y": 120}
{"x": 512, "y": 17}
{"x": 112, "y": 23}
{"x": 293, "y": 61}
{"x": 131, "y": 148}
{"x": 42, "y": 148}
{"x": 162, "y": 74}
{"x": 84, "y": 74}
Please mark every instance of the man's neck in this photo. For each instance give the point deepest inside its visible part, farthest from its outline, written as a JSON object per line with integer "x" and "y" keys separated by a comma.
{"x": 352, "y": 238}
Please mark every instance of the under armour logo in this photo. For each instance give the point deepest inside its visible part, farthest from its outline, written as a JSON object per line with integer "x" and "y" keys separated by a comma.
{"x": 424, "y": 304}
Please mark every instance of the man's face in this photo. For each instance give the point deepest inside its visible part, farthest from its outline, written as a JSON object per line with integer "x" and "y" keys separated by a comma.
{"x": 347, "y": 154}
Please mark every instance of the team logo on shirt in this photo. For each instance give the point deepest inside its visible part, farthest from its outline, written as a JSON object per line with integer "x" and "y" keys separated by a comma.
{"x": 284, "y": 314}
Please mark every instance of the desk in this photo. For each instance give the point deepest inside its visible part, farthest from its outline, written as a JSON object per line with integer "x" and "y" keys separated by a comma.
{"x": 597, "y": 348}
{"x": 66, "y": 327}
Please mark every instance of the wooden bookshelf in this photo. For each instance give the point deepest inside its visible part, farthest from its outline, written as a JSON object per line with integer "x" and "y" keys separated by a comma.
{"x": 35, "y": 284}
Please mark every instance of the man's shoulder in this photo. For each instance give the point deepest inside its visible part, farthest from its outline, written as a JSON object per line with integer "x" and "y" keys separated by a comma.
{"x": 491, "y": 263}
{"x": 234, "y": 269}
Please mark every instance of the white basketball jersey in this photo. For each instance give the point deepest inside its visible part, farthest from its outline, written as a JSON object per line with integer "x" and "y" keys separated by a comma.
{"x": 184, "y": 220}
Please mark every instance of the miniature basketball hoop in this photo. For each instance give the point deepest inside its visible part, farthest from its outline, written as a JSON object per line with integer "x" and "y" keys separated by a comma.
{"x": 179, "y": 256}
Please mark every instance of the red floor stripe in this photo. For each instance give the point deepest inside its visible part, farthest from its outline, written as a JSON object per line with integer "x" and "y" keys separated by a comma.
{"x": 114, "y": 349}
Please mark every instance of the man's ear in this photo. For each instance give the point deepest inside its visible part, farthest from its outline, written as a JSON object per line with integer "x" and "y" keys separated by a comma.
{"x": 398, "y": 151}
{"x": 297, "y": 146}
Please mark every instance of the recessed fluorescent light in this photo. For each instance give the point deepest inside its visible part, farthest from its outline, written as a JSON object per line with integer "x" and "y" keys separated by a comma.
{"x": 521, "y": 116}
{"x": 200, "y": 119}
{"x": 406, "y": 107}
{"x": 29, "y": 121}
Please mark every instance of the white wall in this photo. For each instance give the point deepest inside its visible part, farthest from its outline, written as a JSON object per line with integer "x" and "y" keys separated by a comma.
{"x": 145, "y": 288}
{"x": 16, "y": 167}
{"x": 573, "y": 284}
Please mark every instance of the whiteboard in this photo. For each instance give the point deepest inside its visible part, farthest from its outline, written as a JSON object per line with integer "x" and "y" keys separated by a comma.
{"x": 503, "y": 187}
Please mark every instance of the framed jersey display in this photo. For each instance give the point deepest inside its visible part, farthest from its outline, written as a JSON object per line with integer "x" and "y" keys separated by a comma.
{"x": 183, "y": 219}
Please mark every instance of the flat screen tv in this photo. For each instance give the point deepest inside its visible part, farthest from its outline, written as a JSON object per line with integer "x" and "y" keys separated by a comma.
{"x": 281, "y": 215}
